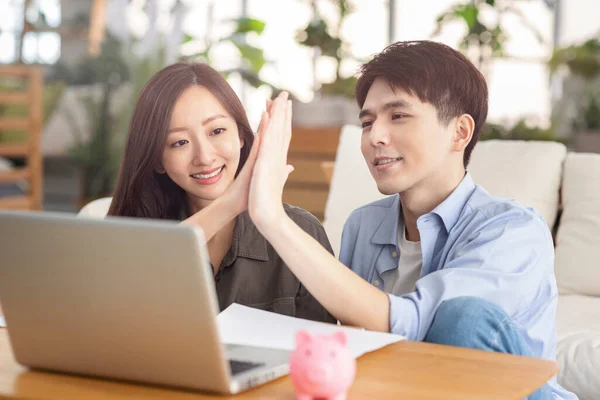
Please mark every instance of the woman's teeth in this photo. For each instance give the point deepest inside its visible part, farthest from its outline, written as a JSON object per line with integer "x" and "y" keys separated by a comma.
{"x": 388, "y": 160}
{"x": 206, "y": 176}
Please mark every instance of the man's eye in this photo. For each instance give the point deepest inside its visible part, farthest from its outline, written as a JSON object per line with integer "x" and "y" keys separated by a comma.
{"x": 218, "y": 130}
{"x": 179, "y": 143}
{"x": 397, "y": 116}
{"x": 366, "y": 124}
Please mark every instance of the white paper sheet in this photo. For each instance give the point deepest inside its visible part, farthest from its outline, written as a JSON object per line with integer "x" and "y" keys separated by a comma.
{"x": 251, "y": 327}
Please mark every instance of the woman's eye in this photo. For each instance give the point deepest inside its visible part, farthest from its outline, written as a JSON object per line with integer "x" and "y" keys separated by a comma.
{"x": 218, "y": 130}
{"x": 179, "y": 143}
{"x": 366, "y": 124}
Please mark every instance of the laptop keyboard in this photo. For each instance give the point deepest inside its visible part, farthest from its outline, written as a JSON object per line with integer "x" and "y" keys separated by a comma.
{"x": 237, "y": 367}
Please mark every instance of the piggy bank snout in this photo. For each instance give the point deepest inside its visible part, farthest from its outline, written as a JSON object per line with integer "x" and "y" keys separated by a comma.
{"x": 320, "y": 373}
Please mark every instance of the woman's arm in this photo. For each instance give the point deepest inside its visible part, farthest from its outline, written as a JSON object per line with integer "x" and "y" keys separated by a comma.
{"x": 213, "y": 217}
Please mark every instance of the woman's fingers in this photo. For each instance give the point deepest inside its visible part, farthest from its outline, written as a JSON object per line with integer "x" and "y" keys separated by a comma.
{"x": 256, "y": 142}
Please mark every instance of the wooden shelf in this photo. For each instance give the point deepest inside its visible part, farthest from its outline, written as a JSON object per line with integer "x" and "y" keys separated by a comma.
{"x": 14, "y": 175}
{"x": 14, "y": 150}
{"x": 15, "y": 70}
{"x": 14, "y": 123}
{"x": 15, "y": 203}
{"x": 14, "y": 97}
{"x": 31, "y": 125}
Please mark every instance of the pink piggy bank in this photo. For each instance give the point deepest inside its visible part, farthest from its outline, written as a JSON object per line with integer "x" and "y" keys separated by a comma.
{"x": 322, "y": 367}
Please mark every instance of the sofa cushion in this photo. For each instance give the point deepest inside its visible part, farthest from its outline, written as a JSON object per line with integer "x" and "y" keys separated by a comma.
{"x": 526, "y": 171}
{"x": 578, "y": 237}
{"x": 351, "y": 185}
{"x": 96, "y": 209}
{"x": 578, "y": 347}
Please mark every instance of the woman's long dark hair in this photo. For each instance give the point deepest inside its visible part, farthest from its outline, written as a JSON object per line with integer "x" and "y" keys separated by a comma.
{"x": 140, "y": 190}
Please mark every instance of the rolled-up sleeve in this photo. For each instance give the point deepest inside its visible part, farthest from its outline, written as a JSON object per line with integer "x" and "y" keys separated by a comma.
{"x": 506, "y": 261}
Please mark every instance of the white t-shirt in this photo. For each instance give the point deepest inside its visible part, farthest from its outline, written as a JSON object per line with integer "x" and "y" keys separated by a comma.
{"x": 402, "y": 280}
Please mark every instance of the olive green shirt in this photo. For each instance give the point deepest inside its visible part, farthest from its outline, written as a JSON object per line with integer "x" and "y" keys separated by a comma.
{"x": 253, "y": 274}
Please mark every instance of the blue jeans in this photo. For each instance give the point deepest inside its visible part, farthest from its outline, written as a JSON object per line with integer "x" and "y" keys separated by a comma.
{"x": 479, "y": 324}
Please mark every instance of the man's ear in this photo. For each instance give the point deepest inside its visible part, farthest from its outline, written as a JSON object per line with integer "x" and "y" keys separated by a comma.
{"x": 463, "y": 132}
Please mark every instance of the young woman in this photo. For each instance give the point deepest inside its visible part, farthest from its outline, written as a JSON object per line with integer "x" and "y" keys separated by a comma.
{"x": 189, "y": 157}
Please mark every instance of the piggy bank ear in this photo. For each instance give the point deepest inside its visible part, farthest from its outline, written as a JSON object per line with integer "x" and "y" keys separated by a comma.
{"x": 302, "y": 337}
{"x": 340, "y": 337}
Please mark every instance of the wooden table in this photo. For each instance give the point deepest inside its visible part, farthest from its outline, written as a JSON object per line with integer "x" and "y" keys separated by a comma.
{"x": 407, "y": 370}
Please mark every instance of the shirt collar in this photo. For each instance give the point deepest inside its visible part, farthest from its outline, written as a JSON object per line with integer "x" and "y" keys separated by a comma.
{"x": 449, "y": 211}
{"x": 387, "y": 232}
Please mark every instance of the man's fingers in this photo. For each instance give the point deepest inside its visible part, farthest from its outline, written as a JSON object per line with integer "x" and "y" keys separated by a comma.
{"x": 276, "y": 117}
{"x": 288, "y": 125}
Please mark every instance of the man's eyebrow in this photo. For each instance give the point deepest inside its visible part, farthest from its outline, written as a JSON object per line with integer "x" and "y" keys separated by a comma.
{"x": 206, "y": 121}
{"x": 386, "y": 106}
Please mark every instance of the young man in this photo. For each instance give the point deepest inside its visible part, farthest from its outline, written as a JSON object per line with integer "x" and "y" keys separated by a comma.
{"x": 440, "y": 260}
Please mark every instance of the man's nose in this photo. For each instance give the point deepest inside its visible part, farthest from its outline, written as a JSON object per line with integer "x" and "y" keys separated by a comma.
{"x": 379, "y": 134}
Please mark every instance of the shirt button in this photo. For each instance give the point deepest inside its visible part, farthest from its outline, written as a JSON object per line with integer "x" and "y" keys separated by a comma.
{"x": 394, "y": 254}
{"x": 376, "y": 283}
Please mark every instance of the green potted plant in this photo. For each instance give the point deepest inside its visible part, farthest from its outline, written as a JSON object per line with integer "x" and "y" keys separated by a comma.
{"x": 586, "y": 126}
{"x": 93, "y": 152}
{"x": 520, "y": 130}
{"x": 581, "y": 59}
{"x": 333, "y": 104}
{"x": 97, "y": 152}
{"x": 244, "y": 33}
{"x": 483, "y": 41}
{"x": 579, "y": 66}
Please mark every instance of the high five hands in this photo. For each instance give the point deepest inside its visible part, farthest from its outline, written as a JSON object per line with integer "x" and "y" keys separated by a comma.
{"x": 271, "y": 169}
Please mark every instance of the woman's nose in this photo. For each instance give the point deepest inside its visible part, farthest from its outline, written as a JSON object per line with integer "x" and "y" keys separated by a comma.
{"x": 204, "y": 153}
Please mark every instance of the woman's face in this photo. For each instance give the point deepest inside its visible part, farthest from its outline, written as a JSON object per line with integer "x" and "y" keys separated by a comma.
{"x": 202, "y": 151}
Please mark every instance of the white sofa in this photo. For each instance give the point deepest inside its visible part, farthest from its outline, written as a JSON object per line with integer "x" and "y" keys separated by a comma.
{"x": 538, "y": 174}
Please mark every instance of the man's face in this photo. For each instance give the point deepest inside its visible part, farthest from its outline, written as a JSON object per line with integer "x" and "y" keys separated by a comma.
{"x": 403, "y": 142}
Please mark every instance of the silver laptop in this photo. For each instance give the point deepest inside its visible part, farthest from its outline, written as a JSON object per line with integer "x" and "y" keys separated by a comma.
{"x": 120, "y": 298}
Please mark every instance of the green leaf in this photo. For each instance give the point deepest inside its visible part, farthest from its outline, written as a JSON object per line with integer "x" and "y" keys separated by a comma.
{"x": 582, "y": 59}
{"x": 253, "y": 55}
{"x": 469, "y": 13}
{"x": 187, "y": 38}
{"x": 316, "y": 35}
{"x": 491, "y": 2}
{"x": 245, "y": 25}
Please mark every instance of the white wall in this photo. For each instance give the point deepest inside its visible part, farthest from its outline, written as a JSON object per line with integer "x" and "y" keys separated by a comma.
{"x": 580, "y": 20}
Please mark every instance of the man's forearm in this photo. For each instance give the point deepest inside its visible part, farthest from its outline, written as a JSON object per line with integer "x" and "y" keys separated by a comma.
{"x": 343, "y": 293}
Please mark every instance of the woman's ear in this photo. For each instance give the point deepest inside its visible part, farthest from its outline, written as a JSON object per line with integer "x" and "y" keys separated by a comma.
{"x": 160, "y": 169}
{"x": 241, "y": 142}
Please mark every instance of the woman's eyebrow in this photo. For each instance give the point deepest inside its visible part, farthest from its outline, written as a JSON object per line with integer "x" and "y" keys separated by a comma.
{"x": 206, "y": 121}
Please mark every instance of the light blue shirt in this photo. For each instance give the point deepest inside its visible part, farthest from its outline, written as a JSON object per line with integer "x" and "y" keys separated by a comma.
{"x": 473, "y": 244}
